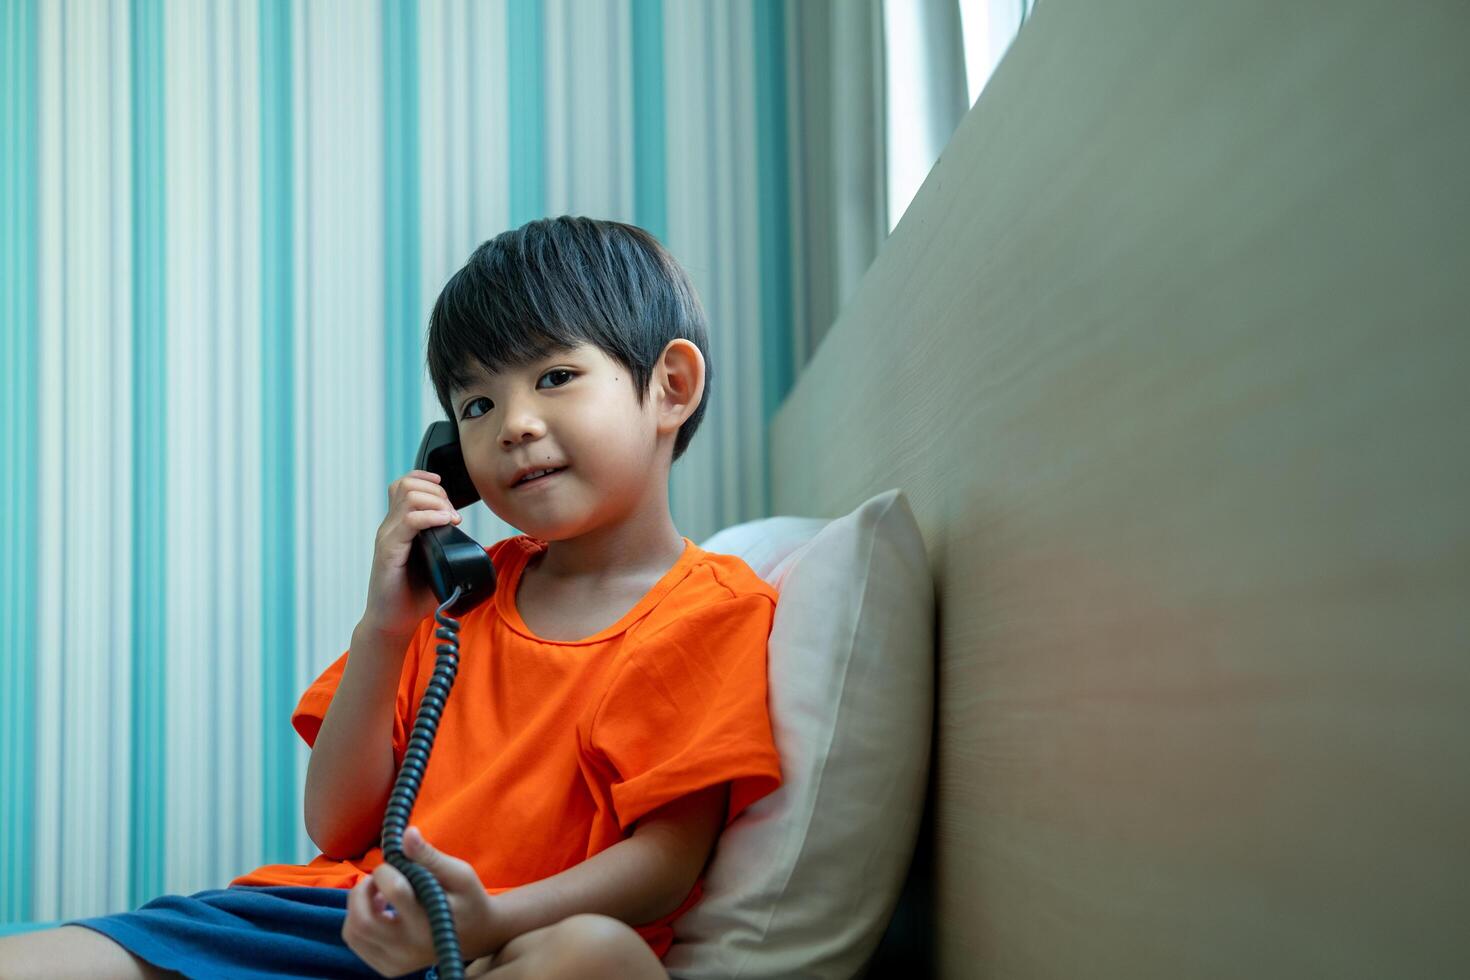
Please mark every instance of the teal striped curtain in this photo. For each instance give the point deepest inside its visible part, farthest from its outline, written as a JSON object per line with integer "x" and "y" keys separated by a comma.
{"x": 224, "y": 225}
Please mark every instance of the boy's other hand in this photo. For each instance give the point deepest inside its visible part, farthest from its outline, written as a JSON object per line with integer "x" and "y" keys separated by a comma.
{"x": 398, "y": 940}
{"x": 395, "y": 603}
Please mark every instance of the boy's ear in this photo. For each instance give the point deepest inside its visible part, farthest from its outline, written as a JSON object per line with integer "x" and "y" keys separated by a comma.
{"x": 678, "y": 384}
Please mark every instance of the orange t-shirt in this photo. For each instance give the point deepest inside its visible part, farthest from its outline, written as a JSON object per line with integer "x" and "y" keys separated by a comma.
{"x": 548, "y": 751}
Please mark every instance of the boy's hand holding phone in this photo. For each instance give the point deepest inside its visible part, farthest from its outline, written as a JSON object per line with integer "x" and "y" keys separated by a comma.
{"x": 396, "y": 603}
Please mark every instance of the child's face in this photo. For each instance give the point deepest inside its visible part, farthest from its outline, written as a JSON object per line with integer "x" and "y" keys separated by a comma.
{"x": 575, "y": 410}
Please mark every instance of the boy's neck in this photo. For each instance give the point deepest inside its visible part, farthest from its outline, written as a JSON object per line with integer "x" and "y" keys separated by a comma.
{"x": 632, "y": 548}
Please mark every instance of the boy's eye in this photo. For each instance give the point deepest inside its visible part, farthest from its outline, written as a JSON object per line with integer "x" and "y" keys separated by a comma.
{"x": 554, "y": 370}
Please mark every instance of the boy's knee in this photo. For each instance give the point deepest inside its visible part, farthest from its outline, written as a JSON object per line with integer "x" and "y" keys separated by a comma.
{"x": 589, "y": 945}
{"x": 593, "y": 931}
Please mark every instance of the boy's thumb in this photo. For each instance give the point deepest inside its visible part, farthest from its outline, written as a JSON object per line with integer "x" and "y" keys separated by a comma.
{"x": 416, "y": 847}
{"x": 447, "y": 869}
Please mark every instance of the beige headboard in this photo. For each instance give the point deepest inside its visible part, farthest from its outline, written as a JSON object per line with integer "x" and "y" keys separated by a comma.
{"x": 1171, "y": 356}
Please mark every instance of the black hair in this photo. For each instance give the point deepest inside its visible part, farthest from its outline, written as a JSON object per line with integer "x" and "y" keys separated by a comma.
{"x": 555, "y": 283}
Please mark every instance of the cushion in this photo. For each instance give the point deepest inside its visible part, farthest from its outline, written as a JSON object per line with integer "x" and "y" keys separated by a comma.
{"x": 805, "y": 881}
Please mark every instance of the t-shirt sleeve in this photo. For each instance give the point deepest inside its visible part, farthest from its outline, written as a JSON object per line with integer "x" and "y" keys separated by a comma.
{"x": 688, "y": 710}
{"x": 312, "y": 707}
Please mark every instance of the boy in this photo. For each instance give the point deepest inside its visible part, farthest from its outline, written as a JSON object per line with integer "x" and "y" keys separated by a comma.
{"x": 608, "y": 717}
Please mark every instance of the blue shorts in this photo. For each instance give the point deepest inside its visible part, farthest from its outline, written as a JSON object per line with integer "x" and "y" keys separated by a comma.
{"x": 249, "y": 932}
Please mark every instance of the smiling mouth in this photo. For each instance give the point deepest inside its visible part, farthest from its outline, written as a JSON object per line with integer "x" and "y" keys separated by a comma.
{"x": 537, "y": 479}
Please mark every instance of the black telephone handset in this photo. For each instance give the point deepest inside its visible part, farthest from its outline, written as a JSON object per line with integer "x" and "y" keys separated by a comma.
{"x": 462, "y": 576}
{"x": 444, "y": 556}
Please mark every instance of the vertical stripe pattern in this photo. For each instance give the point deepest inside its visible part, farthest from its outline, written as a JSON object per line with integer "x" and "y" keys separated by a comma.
{"x": 650, "y": 163}
{"x": 651, "y": 186}
{"x": 225, "y": 227}
{"x": 525, "y": 68}
{"x": 777, "y": 370}
{"x": 403, "y": 365}
{"x": 19, "y": 489}
{"x": 277, "y": 472}
{"x": 148, "y": 755}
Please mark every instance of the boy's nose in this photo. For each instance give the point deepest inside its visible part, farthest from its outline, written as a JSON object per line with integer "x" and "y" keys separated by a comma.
{"x": 519, "y": 428}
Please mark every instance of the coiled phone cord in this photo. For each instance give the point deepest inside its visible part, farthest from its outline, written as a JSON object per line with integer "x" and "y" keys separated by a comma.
{"x": 406, "y": 788}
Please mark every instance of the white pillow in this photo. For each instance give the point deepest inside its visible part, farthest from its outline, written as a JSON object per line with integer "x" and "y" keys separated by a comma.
{"x": 804, "y": 882}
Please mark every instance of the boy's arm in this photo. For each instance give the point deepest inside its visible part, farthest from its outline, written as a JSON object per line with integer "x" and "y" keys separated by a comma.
{"x": 637, "y": 880}
{"x": 350, "y": 773}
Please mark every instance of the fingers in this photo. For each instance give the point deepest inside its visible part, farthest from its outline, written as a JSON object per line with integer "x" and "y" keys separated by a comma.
{"x": 420, "y": 519}
{"x": 428, "y": 503}
{"x": 370, "y": 931}
{"x": 412, "y": 496}
{"x": 388, "y": 883}
{"x": 364, "y": 928}
{"x": 370, "y": 904}
{"x": 384, "y": 897}
{"x": 423, "y": 498}
{"x": 421, "y": 494}
{"x": 419, "y": 481}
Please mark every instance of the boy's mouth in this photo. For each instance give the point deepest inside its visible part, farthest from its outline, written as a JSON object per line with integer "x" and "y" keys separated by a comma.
{"x": 537, "y": 476}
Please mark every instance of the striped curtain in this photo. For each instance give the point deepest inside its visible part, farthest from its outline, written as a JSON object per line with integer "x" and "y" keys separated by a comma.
{"x": 224, "y": 226}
